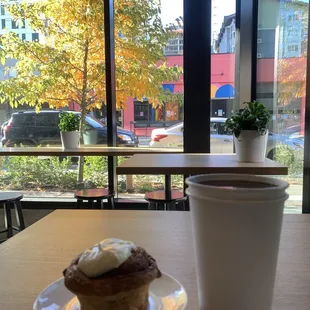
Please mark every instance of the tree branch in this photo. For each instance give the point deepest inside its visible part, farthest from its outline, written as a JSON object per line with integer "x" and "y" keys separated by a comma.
{"x": 58, "y": 99}
{"x": 73, "y": 66}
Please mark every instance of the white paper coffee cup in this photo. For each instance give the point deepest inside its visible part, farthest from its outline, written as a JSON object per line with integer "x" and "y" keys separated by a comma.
{"x": 237, "y": 223}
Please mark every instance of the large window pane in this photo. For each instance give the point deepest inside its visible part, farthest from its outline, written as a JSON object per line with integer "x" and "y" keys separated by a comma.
{"x": 222, "y": 73}
{"x": 161, "y": 124}
{"x": 154, "y": 99}
{"x": 281, "y": 57}
{"x": 51, "y": 177}
{"x": 54, "y": 61}
{"x": 153, "y": 108}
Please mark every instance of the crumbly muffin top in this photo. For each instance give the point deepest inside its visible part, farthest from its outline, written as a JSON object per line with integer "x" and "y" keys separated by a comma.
{"x": 139, "y": 269}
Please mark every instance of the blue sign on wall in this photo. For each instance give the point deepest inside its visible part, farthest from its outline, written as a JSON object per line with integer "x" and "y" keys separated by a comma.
{"x": 169, "y": 87}
{"x": 225, "y": 91}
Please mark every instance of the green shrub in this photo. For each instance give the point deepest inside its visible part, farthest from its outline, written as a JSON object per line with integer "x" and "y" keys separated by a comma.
{"x": 33, "y": 172}
{"x": 144, "y": 188}
{"x": 148, "y": 183}
{"x": 177, "y": 181}
{"x": 121, "y": 159}
{"x": 96, "y": 171}
{"x": 22, "y": 172}
{"x": 291, "y": 158}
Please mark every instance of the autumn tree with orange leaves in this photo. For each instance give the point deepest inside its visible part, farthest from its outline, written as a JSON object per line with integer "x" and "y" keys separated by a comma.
{"x": 291, "y": 71}
{"x": 68, "y": 63}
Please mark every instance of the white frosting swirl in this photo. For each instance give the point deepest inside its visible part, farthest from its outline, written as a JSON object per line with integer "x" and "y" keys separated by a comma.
{"x": 105, "y": 256}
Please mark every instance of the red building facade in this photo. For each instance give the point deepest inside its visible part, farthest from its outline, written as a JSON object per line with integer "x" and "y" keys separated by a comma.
{"x": 222, "y": 88}
{"x": 142, "y": 117}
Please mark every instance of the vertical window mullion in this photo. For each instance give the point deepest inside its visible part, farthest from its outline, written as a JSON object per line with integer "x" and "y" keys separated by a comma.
{"x": 306, "y": 176}
{"x": 197, "y": 75}
{"x": 110, "y": 89}
{"x": 246, "y": 51}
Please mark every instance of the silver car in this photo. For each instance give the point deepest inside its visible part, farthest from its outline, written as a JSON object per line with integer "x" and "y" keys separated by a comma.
{"x": 221, "y": 141}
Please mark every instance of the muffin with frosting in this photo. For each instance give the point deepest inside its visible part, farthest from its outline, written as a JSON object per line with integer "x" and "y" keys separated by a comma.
{"x": 112, "y": 275}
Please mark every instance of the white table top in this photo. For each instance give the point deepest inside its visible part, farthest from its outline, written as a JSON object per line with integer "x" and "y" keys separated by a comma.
{"x": 188, "y": 164}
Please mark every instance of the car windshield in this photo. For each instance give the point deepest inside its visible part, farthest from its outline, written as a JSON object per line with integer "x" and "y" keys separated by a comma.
{"x": 94, "y": 122}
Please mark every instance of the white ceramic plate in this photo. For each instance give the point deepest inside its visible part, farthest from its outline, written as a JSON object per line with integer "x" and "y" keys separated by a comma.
{"x": 166, "y": 293}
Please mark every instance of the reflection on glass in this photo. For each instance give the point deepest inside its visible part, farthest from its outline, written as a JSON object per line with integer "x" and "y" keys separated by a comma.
{"x": 281, "y": 53}
{"x": 154, "y": 88}
{"x": 161, "y": 124}
{"x": 154, "y": 124}
{"x": 222, "y": 73}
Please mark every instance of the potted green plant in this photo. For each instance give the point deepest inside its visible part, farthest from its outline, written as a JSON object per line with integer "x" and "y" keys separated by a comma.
{"x": 250, "y": 129}
{"x": 69, "y": 130}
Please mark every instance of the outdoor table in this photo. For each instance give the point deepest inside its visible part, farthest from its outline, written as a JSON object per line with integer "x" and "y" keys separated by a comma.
{"x": 190, "y": 164}
{"x": 36, "y": 257}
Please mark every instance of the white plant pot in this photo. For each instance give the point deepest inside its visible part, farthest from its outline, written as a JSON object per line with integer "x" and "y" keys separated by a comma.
{"x": 251, "y": 146}
{"x": 90, "y": 137}
{"x": 69, "y": 139}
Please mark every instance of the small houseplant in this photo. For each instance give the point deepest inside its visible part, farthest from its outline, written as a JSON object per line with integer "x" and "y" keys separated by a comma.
{"x": 69, "y": 130}
{"x": 250, "y": 129}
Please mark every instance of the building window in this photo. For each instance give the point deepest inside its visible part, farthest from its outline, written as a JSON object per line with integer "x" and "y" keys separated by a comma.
{"x": 2, "y": 23}
{"x": 174, "y": 46}
{"x": 172, "y": 111}
{"x": 35, "y": 37}
{"x": 292, "y": 48}
{"x": 23, "y": 23}
{"x": 147, "y": 114}
{"x": 2, "y": 9}
{"x": 23, "y": 36}
{"x": 14, "y": 24}
{"x": 141, "y": 110}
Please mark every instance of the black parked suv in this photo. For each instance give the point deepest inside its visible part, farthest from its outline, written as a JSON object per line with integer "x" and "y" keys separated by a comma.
{"x": 32, "y": 129}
